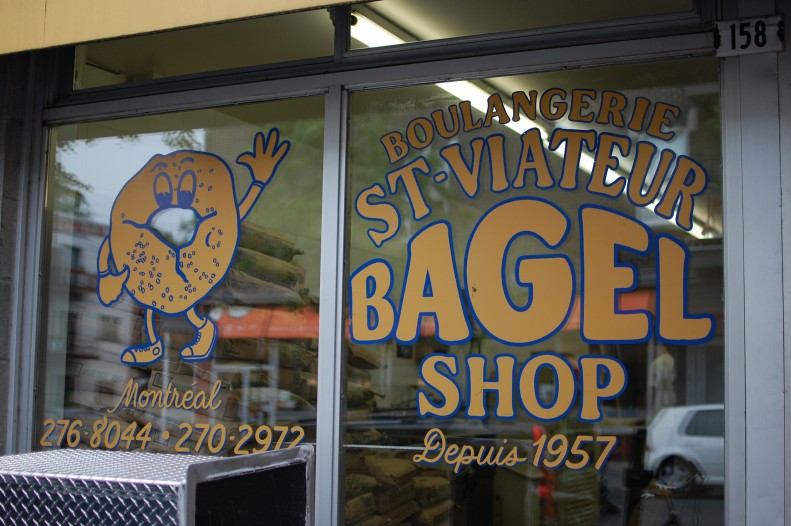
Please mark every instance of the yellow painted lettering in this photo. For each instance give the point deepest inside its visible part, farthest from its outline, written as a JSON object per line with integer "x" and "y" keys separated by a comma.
{"x": 661, "y": 117}
{"x": 439, "y": 122}
{"x": 533, "y": 159}
{"x": 382, "y": 211}
{"x": 495, "y": 108}
{"x": 564, "y": 386}
{"x": 441, "y": 383}
{"x": 688, "y": 180}
{"x": 574, "y": 141}
{"x": 420, "y": 133}
{"x": 503, "y": 386}
{"x": 551, "y": 109}
{"x": 603, "y": 378}
{"x": 673, "y": 322}
{"x": 612, "y": 106}
{"x": 523, "y": 103}
{"x": 468, "y": 122}
{"x": 641, "y": 105}
{"x": 603, "y": 233}
{"x": 372, "y": 313}
{"x": 580, "y": 102}
{"x": 606, "y": 161}
{"x": 407, "y": 174}
{"x": 432, "y": 288}
{"x": 468, "y": 176}
{"x": 496, "y": 145}
{"x": 550, "y": 279}
{"x": 395, "y": 146}
{"x": 638, "y": 189}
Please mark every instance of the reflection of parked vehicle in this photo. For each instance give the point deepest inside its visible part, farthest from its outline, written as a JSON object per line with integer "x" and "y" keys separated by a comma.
{"x": 687, "y": 440}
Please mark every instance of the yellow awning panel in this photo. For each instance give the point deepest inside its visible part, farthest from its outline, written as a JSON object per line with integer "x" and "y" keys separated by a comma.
{"x": 35, "y": 24}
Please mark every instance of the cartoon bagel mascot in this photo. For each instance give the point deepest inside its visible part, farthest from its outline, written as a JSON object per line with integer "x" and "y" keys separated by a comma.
{"x": 169, "y": 279}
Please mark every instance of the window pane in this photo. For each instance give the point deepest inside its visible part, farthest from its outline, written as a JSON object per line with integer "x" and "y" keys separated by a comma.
{"x": 416, "y": 20}
{"x": 168, "y": 315}
{"x": 707, "y": 424}
{"x": 528, "y": 289}
{"x": 267, "y": 40}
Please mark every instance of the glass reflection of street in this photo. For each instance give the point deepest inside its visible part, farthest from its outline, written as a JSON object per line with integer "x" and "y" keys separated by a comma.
{"x": 701, "y": 506}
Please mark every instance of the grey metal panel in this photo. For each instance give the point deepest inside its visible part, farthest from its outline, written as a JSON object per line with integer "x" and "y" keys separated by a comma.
{"x": 95, "y": 487}
{"x": 91, "y": 487}
{"x": 30, "y": 499}
{"x": 123, "y": 466}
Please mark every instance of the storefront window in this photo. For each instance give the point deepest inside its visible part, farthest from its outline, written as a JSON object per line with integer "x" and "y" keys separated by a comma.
{"x": 535, "y": 300}
{"x": 182, "y": 297}
{"x": 267, "y": 40}
{"x": 391, "y": 22}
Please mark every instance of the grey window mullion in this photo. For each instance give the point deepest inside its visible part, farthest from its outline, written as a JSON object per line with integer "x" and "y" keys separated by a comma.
{"x": 330, "y": 375}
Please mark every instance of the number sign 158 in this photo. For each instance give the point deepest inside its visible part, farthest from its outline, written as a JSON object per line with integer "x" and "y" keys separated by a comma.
{"x": 742, "y": 37}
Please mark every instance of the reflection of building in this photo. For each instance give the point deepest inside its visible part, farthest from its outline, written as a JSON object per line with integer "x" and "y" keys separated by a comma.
{"x": 258, "y": 313}
{"x": 336, "y": 95}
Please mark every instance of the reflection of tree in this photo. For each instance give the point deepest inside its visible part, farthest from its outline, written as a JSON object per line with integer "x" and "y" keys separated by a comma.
{"x": 71, "y": 195}
{"x": 182, "y": 140}
{"x": 290, "y": 201}
{"x": 69, "y": 192}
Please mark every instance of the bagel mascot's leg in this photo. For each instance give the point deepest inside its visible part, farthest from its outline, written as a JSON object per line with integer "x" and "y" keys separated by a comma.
{"x": 109, "y": 284}
{"x": 205, "y": 337}
{"x": 147, "y": 353}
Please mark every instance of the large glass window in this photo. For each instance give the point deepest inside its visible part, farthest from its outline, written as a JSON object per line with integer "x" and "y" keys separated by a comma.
{"x": 535, "y": 299}
{"x": 182, "y": 296}
{"x": 391, "y": 22}
{"x": 309, "y": 35}
{"x": 266, "y": 40}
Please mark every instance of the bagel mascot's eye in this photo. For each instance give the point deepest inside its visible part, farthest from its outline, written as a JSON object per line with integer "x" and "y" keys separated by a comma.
{"x": 187, "y": 185}
{"x": 163, "y": 190}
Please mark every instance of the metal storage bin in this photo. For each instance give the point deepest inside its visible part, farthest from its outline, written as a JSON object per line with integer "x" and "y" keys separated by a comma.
{"x": 94, "y": 487}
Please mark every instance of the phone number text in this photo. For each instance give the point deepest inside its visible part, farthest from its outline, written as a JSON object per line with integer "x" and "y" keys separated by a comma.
{"x": 190, "y": 438}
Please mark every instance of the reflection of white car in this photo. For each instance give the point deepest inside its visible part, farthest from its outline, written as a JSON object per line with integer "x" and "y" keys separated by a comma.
{"x": 687, "y": 440}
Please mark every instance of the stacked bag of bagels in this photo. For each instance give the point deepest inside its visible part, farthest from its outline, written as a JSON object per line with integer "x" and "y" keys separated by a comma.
{"x": 264, "y": 351}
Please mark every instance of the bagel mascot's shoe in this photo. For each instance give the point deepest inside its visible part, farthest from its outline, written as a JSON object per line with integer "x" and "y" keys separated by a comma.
{"x": 202, "y": 346}
{"x": 145, "y": 354}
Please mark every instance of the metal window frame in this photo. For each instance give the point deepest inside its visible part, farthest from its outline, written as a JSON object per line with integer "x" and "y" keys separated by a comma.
{"x": 28, "y": 265}
{"x": 757, "y": 269}
{"x": 331, "y": 330}
{"x": 755, "y": 365}
{"x": 383, "y": 76}
{"x": 406, "y": 67}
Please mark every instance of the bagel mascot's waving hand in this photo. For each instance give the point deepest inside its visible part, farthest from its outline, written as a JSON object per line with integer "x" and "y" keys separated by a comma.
{"x": 167, "y": 278}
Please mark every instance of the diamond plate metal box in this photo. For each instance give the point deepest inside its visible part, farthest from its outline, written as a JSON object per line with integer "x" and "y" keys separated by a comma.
{"x": 93, "y": 487}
